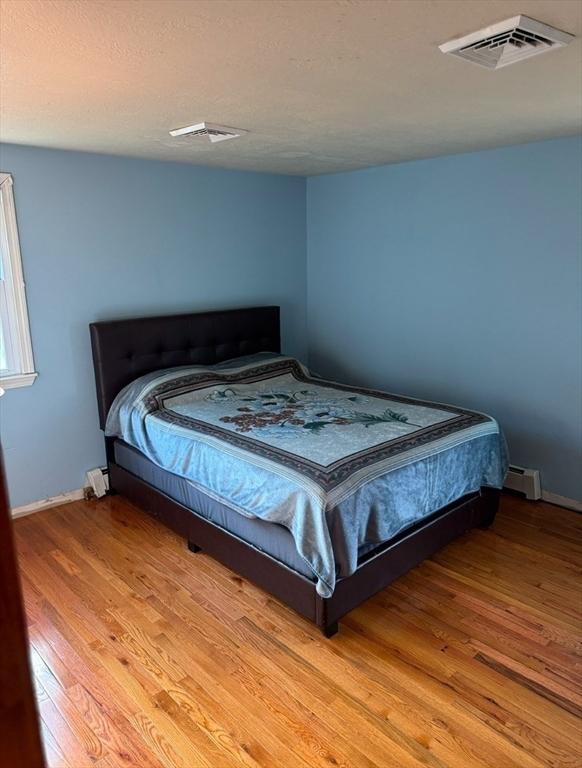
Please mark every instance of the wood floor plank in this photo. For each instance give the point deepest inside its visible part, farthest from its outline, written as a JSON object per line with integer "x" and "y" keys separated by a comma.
{"x": 147, "y": 656}
{"x": 54, "y": 756}
{"x": 216, "y": 667}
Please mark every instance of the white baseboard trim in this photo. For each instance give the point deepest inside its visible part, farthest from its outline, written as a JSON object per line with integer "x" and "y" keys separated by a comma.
{"x": 52, "y": 501}
{"x": 79, "y": 493}
{"x": 562, "y": 501}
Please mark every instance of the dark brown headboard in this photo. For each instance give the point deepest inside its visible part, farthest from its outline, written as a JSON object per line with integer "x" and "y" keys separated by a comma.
{"x": 126, "y": 349}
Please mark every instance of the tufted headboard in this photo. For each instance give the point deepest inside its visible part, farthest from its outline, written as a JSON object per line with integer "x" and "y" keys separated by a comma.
{"x": 126, "y": 349}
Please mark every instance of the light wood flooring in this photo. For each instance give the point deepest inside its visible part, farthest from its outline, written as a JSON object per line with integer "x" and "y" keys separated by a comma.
{"x": 147, "y": 655}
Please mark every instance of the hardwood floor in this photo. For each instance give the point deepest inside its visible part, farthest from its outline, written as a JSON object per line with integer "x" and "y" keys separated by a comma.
{"x": 148, "y": 655}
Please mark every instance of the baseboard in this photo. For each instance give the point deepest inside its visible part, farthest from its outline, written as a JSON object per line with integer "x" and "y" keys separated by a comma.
{"x": 79, "y": 493}
{"x": 52, "y": 501}
{"x": 562, "y": 501}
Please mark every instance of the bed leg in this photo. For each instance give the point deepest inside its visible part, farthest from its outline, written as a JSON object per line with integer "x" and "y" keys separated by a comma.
{"x": 330, "y": 629}
{"x": 193, "y": 547}
{"x": 490, "y": 501}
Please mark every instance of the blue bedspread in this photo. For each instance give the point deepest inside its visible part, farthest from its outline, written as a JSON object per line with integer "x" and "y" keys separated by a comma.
{"x": 269, "y": 440}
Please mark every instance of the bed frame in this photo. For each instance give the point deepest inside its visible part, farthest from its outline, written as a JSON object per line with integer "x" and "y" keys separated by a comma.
{"x": 126, "y": 349}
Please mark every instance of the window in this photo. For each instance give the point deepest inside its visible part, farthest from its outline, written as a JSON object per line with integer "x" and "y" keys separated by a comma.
{"x": 16, "y": 363}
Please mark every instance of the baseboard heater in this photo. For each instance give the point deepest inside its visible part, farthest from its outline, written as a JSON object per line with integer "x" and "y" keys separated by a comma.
{"x": 98, "y": 480}
{"x": 522, "y": 480}
{"x": 518, "y": 479}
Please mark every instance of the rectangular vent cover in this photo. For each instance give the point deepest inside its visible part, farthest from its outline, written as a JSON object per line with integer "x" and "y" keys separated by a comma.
{"x": 507, "y": 42}
{"x": 210, "y": 131}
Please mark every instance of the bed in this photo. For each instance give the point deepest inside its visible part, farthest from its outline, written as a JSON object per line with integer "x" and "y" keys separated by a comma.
{"x": 321, "y": 493}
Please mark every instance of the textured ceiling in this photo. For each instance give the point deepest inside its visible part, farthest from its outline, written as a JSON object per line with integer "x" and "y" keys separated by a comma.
{"x": 321, "y": 85}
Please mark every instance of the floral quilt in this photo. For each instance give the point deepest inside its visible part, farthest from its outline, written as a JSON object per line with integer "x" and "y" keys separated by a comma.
{"x": 270, "y": 440}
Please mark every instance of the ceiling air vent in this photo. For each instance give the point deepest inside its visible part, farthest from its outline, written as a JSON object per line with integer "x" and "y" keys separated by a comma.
{"x": 209, "y": 131}
{"x": 507, "y": 42}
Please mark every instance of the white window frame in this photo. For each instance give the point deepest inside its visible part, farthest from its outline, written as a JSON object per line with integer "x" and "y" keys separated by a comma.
{"x": 13, "y": 309}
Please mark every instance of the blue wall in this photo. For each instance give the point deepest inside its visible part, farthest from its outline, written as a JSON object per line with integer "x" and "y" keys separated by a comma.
{"x": 459, "y": 279}
{"x": 106, "y": 237}
{"x": 456, "y": 279}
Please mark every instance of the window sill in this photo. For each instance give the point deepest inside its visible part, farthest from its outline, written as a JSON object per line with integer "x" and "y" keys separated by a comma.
{"x": 17, "y": 380}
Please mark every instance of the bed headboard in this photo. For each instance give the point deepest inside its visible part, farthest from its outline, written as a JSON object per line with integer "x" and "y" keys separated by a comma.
{"x": 126, "y": 349}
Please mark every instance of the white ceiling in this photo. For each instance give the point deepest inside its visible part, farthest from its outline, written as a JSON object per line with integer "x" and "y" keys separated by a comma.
{"x": 321, "y": 85}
